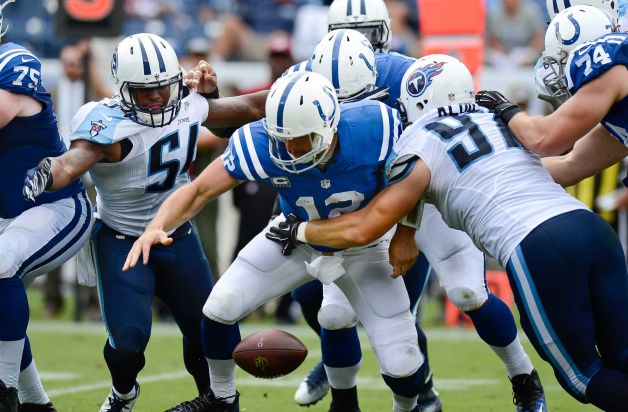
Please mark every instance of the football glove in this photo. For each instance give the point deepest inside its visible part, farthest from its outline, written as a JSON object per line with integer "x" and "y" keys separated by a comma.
{"x": 498, "y": 104}
{"x": 285, "y": 233}
{"x": 37, "y": 180}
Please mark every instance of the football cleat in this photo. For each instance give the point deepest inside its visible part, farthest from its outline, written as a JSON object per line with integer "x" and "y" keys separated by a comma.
{"x": 208, "y": 402}
{"x": 114, "y": 403}
{"x": 313, "y": 388}
{"x": 8, "y": 398}
{"x": 36, "y": 407}
{"x": 527, "y": 393}
{"x": 428, "y": 401}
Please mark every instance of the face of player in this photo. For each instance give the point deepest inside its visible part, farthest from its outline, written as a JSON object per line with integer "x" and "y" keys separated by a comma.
{"x": 152, "y": 98}
{"x": 299, "y": 146}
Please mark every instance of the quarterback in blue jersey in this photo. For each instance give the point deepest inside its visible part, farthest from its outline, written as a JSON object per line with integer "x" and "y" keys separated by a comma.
{"x": 592, "y": 125}
{"x": 465, "y": 161}
{"x": 342, "y": 57}
{"x": 323, "y": 162}
{"x": 38, "y": 235}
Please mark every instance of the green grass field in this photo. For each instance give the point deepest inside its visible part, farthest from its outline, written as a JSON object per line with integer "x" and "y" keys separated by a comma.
{"x": 467, "y": 373}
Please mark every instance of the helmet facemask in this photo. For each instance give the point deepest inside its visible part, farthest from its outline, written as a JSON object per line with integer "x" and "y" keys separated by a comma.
{"x": 279, "y": 154}
{"x": 377, "y": 32}
{"x": 551, "y": 81}
{"x": 149, "y": 116}
{"x": 3, "y": 30}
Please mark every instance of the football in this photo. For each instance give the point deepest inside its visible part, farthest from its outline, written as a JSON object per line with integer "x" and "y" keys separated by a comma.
{"x": 269, "y": 353}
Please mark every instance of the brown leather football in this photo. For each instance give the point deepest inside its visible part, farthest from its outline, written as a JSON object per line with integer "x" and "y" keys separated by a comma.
{"x": 269, "y": 353}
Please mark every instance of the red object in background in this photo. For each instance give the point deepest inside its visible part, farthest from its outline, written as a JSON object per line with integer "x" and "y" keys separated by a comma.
{"x": 498, "y": 285}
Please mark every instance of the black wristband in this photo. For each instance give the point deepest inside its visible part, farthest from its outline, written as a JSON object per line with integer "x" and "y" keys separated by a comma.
{"x": 213, "y": 95}
{"x": 507, "y": 111}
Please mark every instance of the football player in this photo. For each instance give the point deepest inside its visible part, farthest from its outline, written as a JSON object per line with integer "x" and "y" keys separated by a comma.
{"x": 458, "y": 264}
{"x": 465, "y": 161}
{"x": 589, "y": 73}
{"x": 323, "y": 159}
{"x": 138, "y": 147}
{"x": 36, "y": 236}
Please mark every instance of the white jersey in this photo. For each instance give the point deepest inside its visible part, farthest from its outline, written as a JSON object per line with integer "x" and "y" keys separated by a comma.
{"x": 130, "y": 192}
{"x": 482, "y": 181}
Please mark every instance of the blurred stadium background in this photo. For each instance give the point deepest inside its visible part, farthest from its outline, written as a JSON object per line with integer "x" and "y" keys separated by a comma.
{"x": 250, "y": 43}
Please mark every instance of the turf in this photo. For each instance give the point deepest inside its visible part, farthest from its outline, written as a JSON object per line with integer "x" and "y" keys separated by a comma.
{"x": 466, "y": 372}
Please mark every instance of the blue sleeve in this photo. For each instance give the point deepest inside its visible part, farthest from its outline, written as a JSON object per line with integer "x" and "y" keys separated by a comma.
{"x": 21, "y": 72}
{"x": 97, "y": 123}
{"x": 593, "y": 59}
{"x": 246, "y": 157}
{"x": 390, "y": 70}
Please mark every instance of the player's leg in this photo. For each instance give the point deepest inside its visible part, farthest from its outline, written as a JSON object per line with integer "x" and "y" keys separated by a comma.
{"x": 38, "y": 240}
{"x": 259, "y": 273}
{"x": 315, "y": 385}
{"x": 340, "y": 347}
{"x": 415, "y": 281}
{"x": 555, "y": 276}
{"x": 183, "y": 283}
{"x": 460, "y": 268}
{"x": 382, "y": 305}
{"x": 125, "y": 302}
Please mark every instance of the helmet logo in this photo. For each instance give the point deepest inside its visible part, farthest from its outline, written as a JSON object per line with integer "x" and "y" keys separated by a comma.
{"x": 422, "y": 77}
{"x": 321, "y": 113}
{"x": 576, "y": 36}
{"x": 114, "y": 63}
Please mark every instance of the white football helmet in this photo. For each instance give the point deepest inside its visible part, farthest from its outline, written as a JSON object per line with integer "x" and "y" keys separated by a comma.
{"x": 434, "y": 82}
{"x": 346, "y": 58}
{"x": 568, "y": 29}
{"x": 3, "y": 30}
{"x": 301, "y": 104}
{"x": 369, "y": 17}
{"x": 144, "y": 61}
{"x": 610, "y": 6}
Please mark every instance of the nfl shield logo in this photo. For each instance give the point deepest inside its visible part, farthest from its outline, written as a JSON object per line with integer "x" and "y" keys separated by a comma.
{"x": 325, "y": 183}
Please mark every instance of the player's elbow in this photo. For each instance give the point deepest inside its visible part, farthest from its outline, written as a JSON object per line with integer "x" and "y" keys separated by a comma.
{"x": 362, "y": 235}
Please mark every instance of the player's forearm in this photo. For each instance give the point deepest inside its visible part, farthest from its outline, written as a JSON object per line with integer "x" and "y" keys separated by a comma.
{"x": 233, "y": 112}
{"x": 70, "y": 166}
{"x": 341, "y": 232}
{"x": 534, "y": 134}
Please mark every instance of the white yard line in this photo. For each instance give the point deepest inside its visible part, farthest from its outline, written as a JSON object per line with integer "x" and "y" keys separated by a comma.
{"x": 292, "y": 382}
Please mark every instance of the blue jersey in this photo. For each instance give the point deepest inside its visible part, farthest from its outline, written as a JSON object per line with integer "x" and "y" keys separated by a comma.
{"x": 390, "y": 70}
{"x": 588, "y": 62}
{"x": 348, "y": 181}
{"x": 25, "y": 141}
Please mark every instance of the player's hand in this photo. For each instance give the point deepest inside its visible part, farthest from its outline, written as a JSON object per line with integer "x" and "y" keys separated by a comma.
{"x": 402, "y": 252}
{"x": 142, "y": 246}
{"x": 497, "y": 103}
{"x": 202, "y": 78}
{"x": 285, "y": 233}
{"x": 37, "y": 180}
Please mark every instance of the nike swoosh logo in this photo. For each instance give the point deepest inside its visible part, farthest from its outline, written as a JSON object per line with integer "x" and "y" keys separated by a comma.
{"x": 107, "y": 117}
{"x": 26, "y": 60}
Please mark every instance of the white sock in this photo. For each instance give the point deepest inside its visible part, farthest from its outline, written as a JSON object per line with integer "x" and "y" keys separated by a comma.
{"x": 10, "y": 360}
{"x": 403, "y": 404}
{"x": 342, "y": 378}
{"x": 222, "y": 378}
{"x": 515, "y": 359}
{"x": 125, "y": 396}
{"x": 30, "y": 388}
